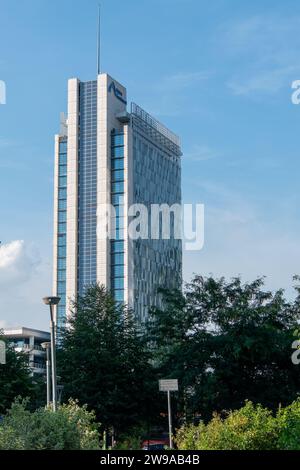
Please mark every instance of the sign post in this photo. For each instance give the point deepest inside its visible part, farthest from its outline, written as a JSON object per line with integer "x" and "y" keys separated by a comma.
{"x": 169, "y": 386}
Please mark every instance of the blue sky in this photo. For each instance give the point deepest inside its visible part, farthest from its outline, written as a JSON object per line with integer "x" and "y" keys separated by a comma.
{"x": 216, "y": 72}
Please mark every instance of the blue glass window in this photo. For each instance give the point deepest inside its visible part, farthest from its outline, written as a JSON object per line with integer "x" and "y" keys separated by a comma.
{"x": 62, "y": 296}
{"x": 61, "y": 263}
{"x": 119, "y": 211}
{"x": 62, "y": 204}
{"x": 62, "y": 170}
{"x": 62, "y": 251}
{"x": 117, "y": 187}
{"x": 61, "y": 287}
{"x": 118, "y": 139}
{"x": 117, "y": 247}
{"x": 117, "y": 164}
{"x": 117, "y": 271}
{"x": 62, "y": 240}
{"x": 63, "y": 147}
{"x": 62, "y": 216}
{"x": 119, "y": 295}
{"x": 61, "y": 307}
{"x": 62, "y": 227}
{"x": 63, "y": 159}
{"x": 61, "y": 275}
{"x": 62, "y": 193}
{"x": 117, "y": 199}
{"x": 118, "y": 283}
{"x": 117, "y": 258}
{"x": 117, "y": 175}
{"x": 87, "y": 210}
{"x": 117, "y": 152}
{"x": 62, "y": 181}
{"x": 119, "y": 234}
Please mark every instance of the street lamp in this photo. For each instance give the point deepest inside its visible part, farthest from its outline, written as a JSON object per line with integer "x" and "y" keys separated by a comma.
{"x": 52, "y": 301}
{"x": 47, "y": 347}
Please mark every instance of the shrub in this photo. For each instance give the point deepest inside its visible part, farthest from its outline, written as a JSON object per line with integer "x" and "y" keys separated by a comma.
{"x": 250, "y": 428}
{"x": 289, "y": 423}
{"x": 131, "y": 440}
{"x": 70, "y": 428}
{"x": 187, "y": 437}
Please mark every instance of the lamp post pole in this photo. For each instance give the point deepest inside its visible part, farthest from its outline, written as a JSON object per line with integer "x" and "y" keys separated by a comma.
{"x": 170, "y": 420}
{"x": 53, "y": 360}
{"x": 52, "y": 301}
{"x": 47, "y": 347}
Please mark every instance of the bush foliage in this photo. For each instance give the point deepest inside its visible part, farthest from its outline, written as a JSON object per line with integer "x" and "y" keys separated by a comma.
{"x": 250, "y": 428}
{"x": 71, "y": 428}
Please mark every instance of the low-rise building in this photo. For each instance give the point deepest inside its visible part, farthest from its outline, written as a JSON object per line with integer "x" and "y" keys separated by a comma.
{"x": 29, "y": 341}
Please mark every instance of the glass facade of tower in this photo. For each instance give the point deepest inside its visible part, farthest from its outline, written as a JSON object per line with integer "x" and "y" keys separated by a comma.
{"x": 62, "y": 231}
{"x": 87, "y": 191}
{"x": 117, "y": 199}
{"x": 156, "y": 179}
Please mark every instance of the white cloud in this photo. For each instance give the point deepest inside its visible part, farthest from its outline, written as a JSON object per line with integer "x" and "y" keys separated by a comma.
{"x": 17, "y": 263}
{"x": 24, "y": 279}
{"x": 10, "y": 253}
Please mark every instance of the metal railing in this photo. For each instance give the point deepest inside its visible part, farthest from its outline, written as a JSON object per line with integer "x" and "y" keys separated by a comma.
{"x": 155, "y": 129}
{"x": 28, "y": 347}
{"x": 37, "y": 365}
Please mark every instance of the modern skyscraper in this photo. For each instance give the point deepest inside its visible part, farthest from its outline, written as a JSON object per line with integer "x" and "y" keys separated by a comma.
{"x": 105, "y": 155}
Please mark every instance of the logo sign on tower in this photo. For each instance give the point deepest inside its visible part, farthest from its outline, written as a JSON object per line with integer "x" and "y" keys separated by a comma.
{"x": 118, "y": 94}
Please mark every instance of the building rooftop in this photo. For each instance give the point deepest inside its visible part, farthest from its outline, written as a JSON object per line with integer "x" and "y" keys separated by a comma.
{"x": 155, "y": 129}
{"x": 25, "y": 332}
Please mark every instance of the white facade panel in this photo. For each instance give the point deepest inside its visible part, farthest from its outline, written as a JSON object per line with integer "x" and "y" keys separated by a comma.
{"x": 72, "y": 192}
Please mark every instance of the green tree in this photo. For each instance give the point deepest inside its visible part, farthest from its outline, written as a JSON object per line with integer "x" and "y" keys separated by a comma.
{"x": 15, "y": 378}
{"x": 103, "y": 362}
{"x": 226, "y": 342}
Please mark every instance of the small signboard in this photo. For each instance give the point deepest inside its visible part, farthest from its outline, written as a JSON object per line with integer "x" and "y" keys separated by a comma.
{"x": 170, "y": 385}
{"x": 2, "y": 352}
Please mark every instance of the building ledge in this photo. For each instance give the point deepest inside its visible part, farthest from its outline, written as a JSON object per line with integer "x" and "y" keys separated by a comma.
{"x": 124, "y": 117}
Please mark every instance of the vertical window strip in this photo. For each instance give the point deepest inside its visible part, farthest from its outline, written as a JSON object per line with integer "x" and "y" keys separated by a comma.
{"x": 61, "y": 241}
{"x": 117, "y": 191}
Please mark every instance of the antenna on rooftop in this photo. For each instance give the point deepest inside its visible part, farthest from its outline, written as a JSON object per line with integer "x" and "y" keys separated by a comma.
{"x": 99, "y": 41}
